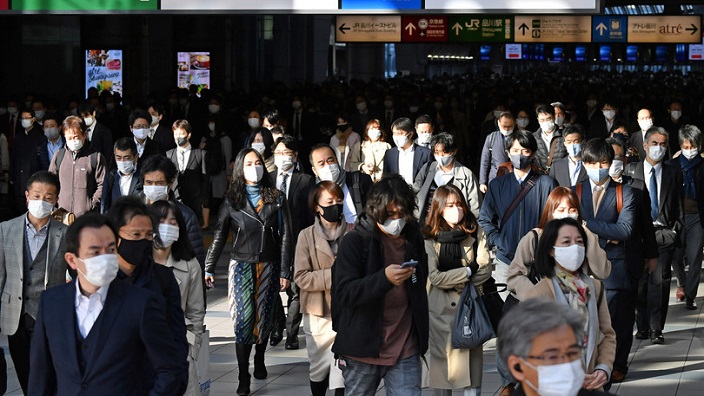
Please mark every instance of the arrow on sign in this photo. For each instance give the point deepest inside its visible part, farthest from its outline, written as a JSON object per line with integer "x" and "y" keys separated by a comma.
{"x": 343, "y": 28}
{"x": 523, "y": 28}
{"x": 410, "y": 28}
{"x": 457, "y": 27}
{"x": 601, "y": 27}
{"x": 693, "y": 29}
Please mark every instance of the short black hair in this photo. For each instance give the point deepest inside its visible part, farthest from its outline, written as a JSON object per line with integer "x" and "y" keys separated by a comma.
{"x": 26, "y": 110}
{"x": 289, "y": 141}
{"x": 86, "y": 108}
{"x": 125, "y": 143}
{"x": 53, "y": 116}
{"x": 525, "y": 139}
{"x": 88, "y": 220}
{"x": 272, "y": 116}
{"x": 139, "y": 113}
{"x": 572, "y": 129}
{"x": 267, "y": 138}
{"x": 391, "y": 188}
{"x": 404, "y": 124}
{"x": 618, "y": 142}
{"x": 597, "y": 150}
{"x": 545, "y": 109}
{"x": 317, "y": 147}
{"x": 45, "y": 177}
{"x": 444, "y": 138}
{"x": 424, "y": 119}
{"x": 158, "y": 107}
{"x": 544, "y": 262}
{"x": 155, "y": 163}
{"x": 125, "y": 208}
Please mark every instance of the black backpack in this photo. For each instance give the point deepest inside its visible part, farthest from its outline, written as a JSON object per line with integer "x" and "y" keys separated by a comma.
{"x": 214, "y": 157}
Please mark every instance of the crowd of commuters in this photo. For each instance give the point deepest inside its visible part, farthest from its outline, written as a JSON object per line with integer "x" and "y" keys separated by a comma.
{"x": 372, "y": 206}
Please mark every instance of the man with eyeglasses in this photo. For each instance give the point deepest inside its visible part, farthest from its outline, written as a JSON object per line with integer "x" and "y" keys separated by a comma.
{"x": 540, "y": 343}
{"x": 140, "y": 125}
{"x": 551, "y": 145}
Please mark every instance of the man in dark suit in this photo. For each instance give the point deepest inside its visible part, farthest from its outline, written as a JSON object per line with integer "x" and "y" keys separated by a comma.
{"x": 296, "y": 185}
{"x": 96, "y": 334}
{"x": 193, "y": 182}
{"x": 31, "y": 261}
{"x": 124, "y": 179}
{"x": 29, "y": 155}
{"x": 98, "y": 135}
{"x": 140, "y": 125}
{"x": 601, "y": 123}
{"x": 663, "y": 183}
{"x": 645, "y": 121}
{"x": 161, "y": 134}
{"x": 570, "y": 171}
{"x": 407, "y": 157}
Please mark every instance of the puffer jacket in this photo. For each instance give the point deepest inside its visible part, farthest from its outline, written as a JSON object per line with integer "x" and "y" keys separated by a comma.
{"x": 262, "y": 237}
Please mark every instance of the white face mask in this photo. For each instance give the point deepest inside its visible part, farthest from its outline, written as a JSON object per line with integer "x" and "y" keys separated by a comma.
{"x": 401, "y": 141}
{"x": 424, "y": 138}
{"x": 689, "y": 154}
{"x": 591, "y": 103}
{"x": 645, "y": 124}
{"x": 39, "y": 115}
{"x": 296, "y": 104}
{"x": 211, "y": 126}
{"x": 125, "y": 167}
{"x": 564, "y": 215}
{"x": 74, "y": 145}
{"x": 453, "y": 215}
{"x": 573, "y": 149}
{"x": 140, "y": 133}
{"x": 39, "y": 208}
{"x": 156, "y": 193}
{"x": 656, "y": 153}
{"x": 361, "y": 106}
{"x": 155, "y": 120}
{"x": 260, "y": 147}
{"x": 213, "y": 108}
{"x": 564, "y": 379}
{"x": 374, "y": 134}
{"x": 12, "y": 110}
{"x": 26, "y": 124}
{"x": 497, "y": 113}
{"x": 283, "y": 162}
{"x": 505, "y": 132}
{"x": 444, "y": 160}
{"x": 168, "y": 234}
{"x": 675, "y": 114}
{"x": 569, "y": 257}
{"x": 616, "y": 169}
{"x": 393, "y": 227}
{"x": 522, "y": 122}
{"x": 100, "y": 270}
{"x": 547, "y": 126}
{"x": 253, "y": 122}
{"x": 559, "y": 120}
{"x": 609, "y": 114}
{"x": 253, "y": 173}
{"x": 51, "y": 133}
{"x": 329, "y": 172}
{"x": 89, "y": 121}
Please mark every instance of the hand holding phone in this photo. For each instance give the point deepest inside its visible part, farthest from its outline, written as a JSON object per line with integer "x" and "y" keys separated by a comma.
{"x": 410, "y": 264}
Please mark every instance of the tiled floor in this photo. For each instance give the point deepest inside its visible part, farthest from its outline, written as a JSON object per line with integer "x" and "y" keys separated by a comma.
{"x": 673, "y": 369}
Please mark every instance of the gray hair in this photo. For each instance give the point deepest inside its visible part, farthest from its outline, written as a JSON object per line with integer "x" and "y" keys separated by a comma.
{"x": 530, "y": 319}
{"x": 656, "y": 129}
{"x": 692, "y": 134}
{"x": 507, "y": 115}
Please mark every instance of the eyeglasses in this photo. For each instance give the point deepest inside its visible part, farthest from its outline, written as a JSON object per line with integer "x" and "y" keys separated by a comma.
{"x": 288, "y": 152}
{"x": 555, "y": 358}
{"x": 142, "y": 126}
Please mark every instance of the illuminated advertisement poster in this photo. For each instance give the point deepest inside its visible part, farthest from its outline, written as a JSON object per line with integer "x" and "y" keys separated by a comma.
{"x": 104, "y": 70}
{"x": 194, "y": 68}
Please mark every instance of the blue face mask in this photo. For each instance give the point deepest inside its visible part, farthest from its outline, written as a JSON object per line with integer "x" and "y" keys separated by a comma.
{"x": 597, "y": 175}
{"x": 520, "y": 161}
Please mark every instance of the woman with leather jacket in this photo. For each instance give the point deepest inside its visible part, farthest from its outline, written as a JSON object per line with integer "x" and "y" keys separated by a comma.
{"x": 261, "y": 259}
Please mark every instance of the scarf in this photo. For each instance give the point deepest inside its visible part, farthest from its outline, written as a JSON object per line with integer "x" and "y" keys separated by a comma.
{"x": 334, "y": 241}
{"x": 576, "y": 293}
{"x": 690, "y": 188}
{"x": 450, "y": 249}
{"x": 254, "y": 195}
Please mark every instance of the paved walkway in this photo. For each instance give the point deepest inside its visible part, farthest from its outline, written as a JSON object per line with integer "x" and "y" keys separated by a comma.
{"x": 673, "y": 369}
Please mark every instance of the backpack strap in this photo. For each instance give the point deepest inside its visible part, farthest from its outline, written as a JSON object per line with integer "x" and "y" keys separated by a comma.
{"x": 601, "y": 297}
{"x": 357, "y": 193}
{"x": 619, "y": 198}
{"x": 519, "y": 198}
{"x": 59, "y": 157}
{"x": 553, "y": 144}
{"x": 579, "y": 193}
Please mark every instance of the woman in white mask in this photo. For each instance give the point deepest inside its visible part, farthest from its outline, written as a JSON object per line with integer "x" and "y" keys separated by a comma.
{"x": 261, "y": 259}
{"x": 374, "y": 148}
{"x": 346, "y": 143}
{"x": 173, "y": 249}
{"x": 457, "y": 254}
{"x": 261, "y": 140}
{"x": 561, "y": 261}
{"x": 562, "y": 202}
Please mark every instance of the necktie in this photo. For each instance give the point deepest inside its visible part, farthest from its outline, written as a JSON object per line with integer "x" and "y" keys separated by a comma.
{"x": 181, "y": 157}
{"x": 576, "y": 172}
{"x": 597, "y": 195}
{"x": 284, "y": 179}
{"x": 654, "y": 205}
{"x": 297, "y": 125}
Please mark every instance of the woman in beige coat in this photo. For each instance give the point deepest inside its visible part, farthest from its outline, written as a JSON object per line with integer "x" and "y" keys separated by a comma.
{"x": 561, "y": 263}
{"x": 315, "y": 253}
{"x": 457, "y": 254}
{"x": 374, "y": 149}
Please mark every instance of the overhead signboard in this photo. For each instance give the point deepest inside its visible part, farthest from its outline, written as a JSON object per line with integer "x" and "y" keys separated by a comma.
{"x": 368, "y": 28}
{"x": 479, "y": 28}
{"x": 250, "y": 5}
{"x": 381, "y": 5}
{"x": 516, "y": 6}
{"x": 680, "y": 29}
{"x": 552, "y": 29}
{"x": 424, "y": 29}
{"x": 84, "y": 5}
{"x": 609, "y": 29}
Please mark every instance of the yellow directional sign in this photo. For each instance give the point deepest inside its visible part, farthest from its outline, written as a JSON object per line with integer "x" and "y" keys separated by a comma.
{"x": 665, "y": 29}
{"x": 552, "y": 29}
{"x": 368, "y": 28}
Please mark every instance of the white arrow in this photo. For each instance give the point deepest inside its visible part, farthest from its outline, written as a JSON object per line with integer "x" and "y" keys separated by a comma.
{"x": 601, "y": 27}
{"x": 457, "y": 27}
{"x": 410, "y": 28}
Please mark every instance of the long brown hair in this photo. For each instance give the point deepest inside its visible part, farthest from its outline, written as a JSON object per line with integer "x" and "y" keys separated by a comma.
{"x": 554, "y": 200}
{"x": 435, "y": 223}
{"x": 376, "y": 122}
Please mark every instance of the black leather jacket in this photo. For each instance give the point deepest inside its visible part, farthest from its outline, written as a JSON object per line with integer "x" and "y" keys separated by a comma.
{"x": 263, "y": 237}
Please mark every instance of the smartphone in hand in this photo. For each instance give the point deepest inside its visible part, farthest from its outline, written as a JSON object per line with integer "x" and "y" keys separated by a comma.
{"x": 409, "y": 264}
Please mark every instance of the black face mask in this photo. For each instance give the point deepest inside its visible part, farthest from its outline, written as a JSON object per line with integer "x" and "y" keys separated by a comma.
{"x": 332, "y": 213}
{"x": 342, "y": 127}
{"x": 181, "y": 141}
{"x": 135, "y": 252}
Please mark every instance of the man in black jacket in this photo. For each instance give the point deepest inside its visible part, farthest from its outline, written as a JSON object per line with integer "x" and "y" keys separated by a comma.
{"x": 379, "y": 302}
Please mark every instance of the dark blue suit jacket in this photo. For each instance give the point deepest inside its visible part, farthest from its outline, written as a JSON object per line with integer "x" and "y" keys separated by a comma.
{"x": 421, "y": 156}
{"x": 131, "y": 329}
{"x": 610, "y": 225}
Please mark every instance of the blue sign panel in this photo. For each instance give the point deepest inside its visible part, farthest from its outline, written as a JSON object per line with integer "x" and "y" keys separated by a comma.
{"x": 380, "y": 5}
{"x": 609, "y": 29}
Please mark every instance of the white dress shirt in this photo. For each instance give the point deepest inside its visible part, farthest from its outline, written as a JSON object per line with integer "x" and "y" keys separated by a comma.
{"x": 279, "y": 179}
{"x": 140, "y": 147}
{"x": 405, "y": 163}
{"x": 547, "y": 137}
{"x": 125, "y": 181}
{"x": 89, "y": 131}
{"x": 89, "y": 308}
{"x": 573, "y": 170}
{"x": 183, "y": 158}
{"x": 348, "y": 209}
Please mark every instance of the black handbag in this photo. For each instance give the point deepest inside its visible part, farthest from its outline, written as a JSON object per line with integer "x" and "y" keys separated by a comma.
{"x": 493, "y": 303}
{"x": 472, "y": 327}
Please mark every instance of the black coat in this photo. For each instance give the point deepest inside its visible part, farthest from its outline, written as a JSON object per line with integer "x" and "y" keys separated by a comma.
{"x": 29, "y": 155}
{"x": 300, "y": 186}
{"x": 101, "y": 141}
{"x": 359, "y": 286}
